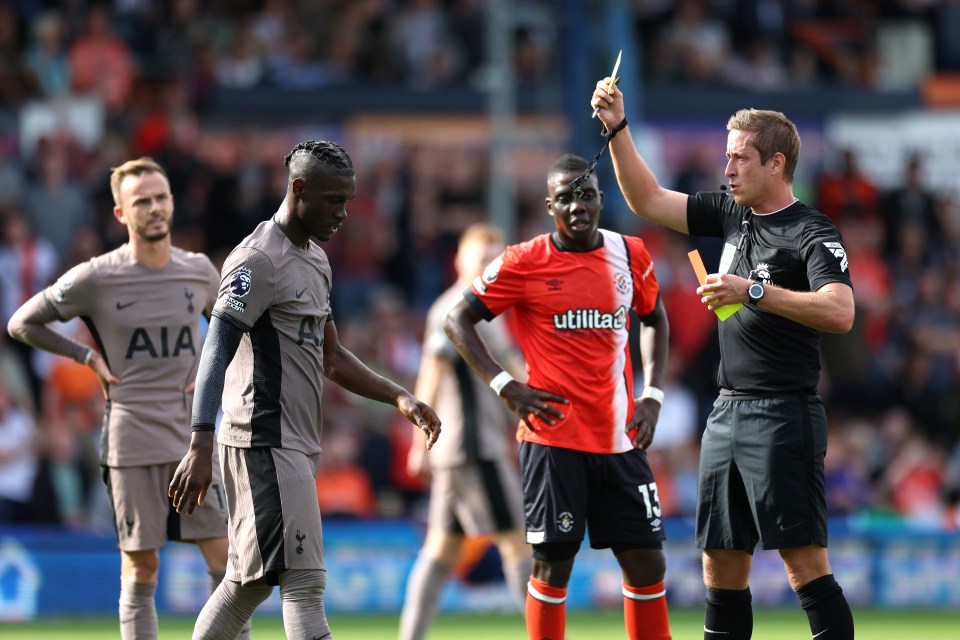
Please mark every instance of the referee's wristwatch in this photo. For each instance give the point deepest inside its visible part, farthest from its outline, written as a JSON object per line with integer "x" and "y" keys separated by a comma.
{"x": 754, "y": 292}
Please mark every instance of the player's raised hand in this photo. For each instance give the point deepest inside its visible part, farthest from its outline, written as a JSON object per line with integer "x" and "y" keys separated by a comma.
{"x": 610, "y": 104}
{"x": 526, "y": 401}
{"x": 104, "y": 375}
{"x": 422, "y": 415}
{"x": 188, "y": 489}
{"x": 646, "y": 412}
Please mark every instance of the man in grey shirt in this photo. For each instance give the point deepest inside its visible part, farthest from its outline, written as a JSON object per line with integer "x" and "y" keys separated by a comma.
{"x": 142, "y": 303}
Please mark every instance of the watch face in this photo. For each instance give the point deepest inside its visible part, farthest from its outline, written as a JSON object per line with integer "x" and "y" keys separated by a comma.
{"x": 755, "y": 291}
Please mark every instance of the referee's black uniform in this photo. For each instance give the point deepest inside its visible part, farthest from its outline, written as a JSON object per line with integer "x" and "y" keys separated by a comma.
{"x": 761, "y": 462}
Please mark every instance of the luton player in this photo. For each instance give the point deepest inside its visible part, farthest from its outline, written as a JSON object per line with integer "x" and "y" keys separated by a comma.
{"x": 142, "y": 303}
{"x": 272, "y": 341}
{"x": 582, "y": 433}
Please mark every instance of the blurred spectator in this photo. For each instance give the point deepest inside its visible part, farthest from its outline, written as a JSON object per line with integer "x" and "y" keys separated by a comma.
{"x": 915, "y": 482}
{"x": 178, "y": 39}
{"x": 13, "y": 82}
{"x": 911, "y": 203}
{"x": 297, "y": 64}
{"x": 46, "y": 60}
{"x": 344, "y": 487}
{"x": 18, "y": 458}
{"x": 28, "y": 263}
{"x": 73, "y": 409}
{"x": 846, "y": 192}
{"x": 240, "y": 66}
{"x": 423, "y": 40}
{"x": 102, "y": 63}
{"x": 12, "y": 180}
{"x": 57, "y": 206}
{"x": 758, "y": 68}
{"x": 846, "y": 483}
{"x": 697, "y": 42}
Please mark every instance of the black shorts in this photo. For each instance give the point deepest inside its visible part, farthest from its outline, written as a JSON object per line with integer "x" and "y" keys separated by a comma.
{"x": 566, "y": 492}
{"x": 761, "y": 474}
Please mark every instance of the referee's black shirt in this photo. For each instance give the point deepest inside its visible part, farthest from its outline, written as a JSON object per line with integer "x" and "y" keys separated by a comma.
{"x": 796, "y": 248}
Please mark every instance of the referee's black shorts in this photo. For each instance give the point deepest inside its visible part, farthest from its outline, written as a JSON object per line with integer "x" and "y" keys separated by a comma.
{"x": 761, "y": 474}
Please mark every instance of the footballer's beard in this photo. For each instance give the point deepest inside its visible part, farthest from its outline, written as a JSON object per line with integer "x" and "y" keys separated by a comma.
{"x": 155, "y": 236}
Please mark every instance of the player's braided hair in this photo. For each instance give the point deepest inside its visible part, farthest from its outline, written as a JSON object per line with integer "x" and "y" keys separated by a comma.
{"x": 325, "y": 151}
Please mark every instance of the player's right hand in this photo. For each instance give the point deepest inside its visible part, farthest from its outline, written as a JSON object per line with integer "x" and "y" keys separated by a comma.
{"x": 526, "y": 401}
{"x": 611, "y": 105}
{"x": 194, "y": 474}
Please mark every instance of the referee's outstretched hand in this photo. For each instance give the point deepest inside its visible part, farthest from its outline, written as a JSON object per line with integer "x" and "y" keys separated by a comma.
{"x": 526, "y": 401}
{"x": 646, "y": 412}
{"x": 610, "y": 104}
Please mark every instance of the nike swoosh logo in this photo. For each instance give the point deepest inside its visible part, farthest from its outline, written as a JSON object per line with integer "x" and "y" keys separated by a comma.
{"x": 300, "y": 293}
{"x": 822, "y": 632}
{"x": 719, "y": 633}
{"x": 124, "y": 306}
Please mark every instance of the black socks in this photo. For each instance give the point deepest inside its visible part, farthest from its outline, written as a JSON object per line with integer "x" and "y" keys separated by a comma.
{"x": 729, "y": 615}
{"x": 827, "y": 609}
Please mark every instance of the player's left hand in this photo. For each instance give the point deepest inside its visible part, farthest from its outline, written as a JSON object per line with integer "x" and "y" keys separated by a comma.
{"x": 422, "y": 415}
{"x": 646, "y": 412}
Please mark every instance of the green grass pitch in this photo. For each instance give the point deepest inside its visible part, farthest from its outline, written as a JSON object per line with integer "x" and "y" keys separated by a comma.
{"x": 686, "y": 624}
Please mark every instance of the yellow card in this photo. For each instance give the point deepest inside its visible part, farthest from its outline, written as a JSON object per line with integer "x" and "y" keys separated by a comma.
{"x": 726, "y": 310}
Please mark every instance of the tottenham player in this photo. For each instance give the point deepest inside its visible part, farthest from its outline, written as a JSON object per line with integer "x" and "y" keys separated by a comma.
{"x": 272, "y": 341}
{"x": 142, "y": 303}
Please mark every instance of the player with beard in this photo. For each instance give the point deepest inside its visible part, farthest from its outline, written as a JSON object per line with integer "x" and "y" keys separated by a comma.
{"x": 272, "y": 341}
{"x": 142, "y": 303}
{"x": 582, "y": 434}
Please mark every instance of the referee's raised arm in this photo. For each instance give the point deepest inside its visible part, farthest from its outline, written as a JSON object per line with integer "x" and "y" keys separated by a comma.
{"x": 646, "y": 197}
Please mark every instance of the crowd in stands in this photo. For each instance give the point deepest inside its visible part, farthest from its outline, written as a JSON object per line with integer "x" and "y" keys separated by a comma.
{"x": 892, "y": 385}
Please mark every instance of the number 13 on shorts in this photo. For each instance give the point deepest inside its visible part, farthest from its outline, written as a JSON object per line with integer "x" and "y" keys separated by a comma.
{"x": 651, "y": 499}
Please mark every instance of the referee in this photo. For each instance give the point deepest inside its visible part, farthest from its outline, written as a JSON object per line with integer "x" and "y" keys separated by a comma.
{"x": 761, "y": 461}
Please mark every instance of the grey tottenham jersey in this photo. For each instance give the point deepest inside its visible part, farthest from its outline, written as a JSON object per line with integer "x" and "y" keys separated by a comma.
{"x": 279, "y": 295}
{"x": 146, "y": 325}
{"x": 475, "y": 420}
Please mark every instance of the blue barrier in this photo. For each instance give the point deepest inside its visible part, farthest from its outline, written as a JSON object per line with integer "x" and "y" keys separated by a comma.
{"x": 54, "y": 572}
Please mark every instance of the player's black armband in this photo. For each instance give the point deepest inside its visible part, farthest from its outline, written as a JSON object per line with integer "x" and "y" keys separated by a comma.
{"x": 202, "y": 426}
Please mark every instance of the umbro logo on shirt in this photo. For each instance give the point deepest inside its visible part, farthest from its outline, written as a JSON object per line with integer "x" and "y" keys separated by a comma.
{"x": 554, "y": 284}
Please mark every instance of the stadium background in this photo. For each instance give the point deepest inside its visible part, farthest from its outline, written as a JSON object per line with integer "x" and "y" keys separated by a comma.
{"x": 452, "y": 111}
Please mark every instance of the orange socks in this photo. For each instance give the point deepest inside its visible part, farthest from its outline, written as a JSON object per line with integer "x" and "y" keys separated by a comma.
{"x": 546, "y": 612}
{"x": 644, "y": 612}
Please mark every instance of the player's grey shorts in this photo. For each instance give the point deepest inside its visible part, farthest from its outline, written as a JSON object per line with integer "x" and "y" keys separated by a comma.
{"x": 143, "y": 515}
{"x": 274, "y": 512}
{"x": 477, "y": 498}
{"x": 761, "y": 474}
